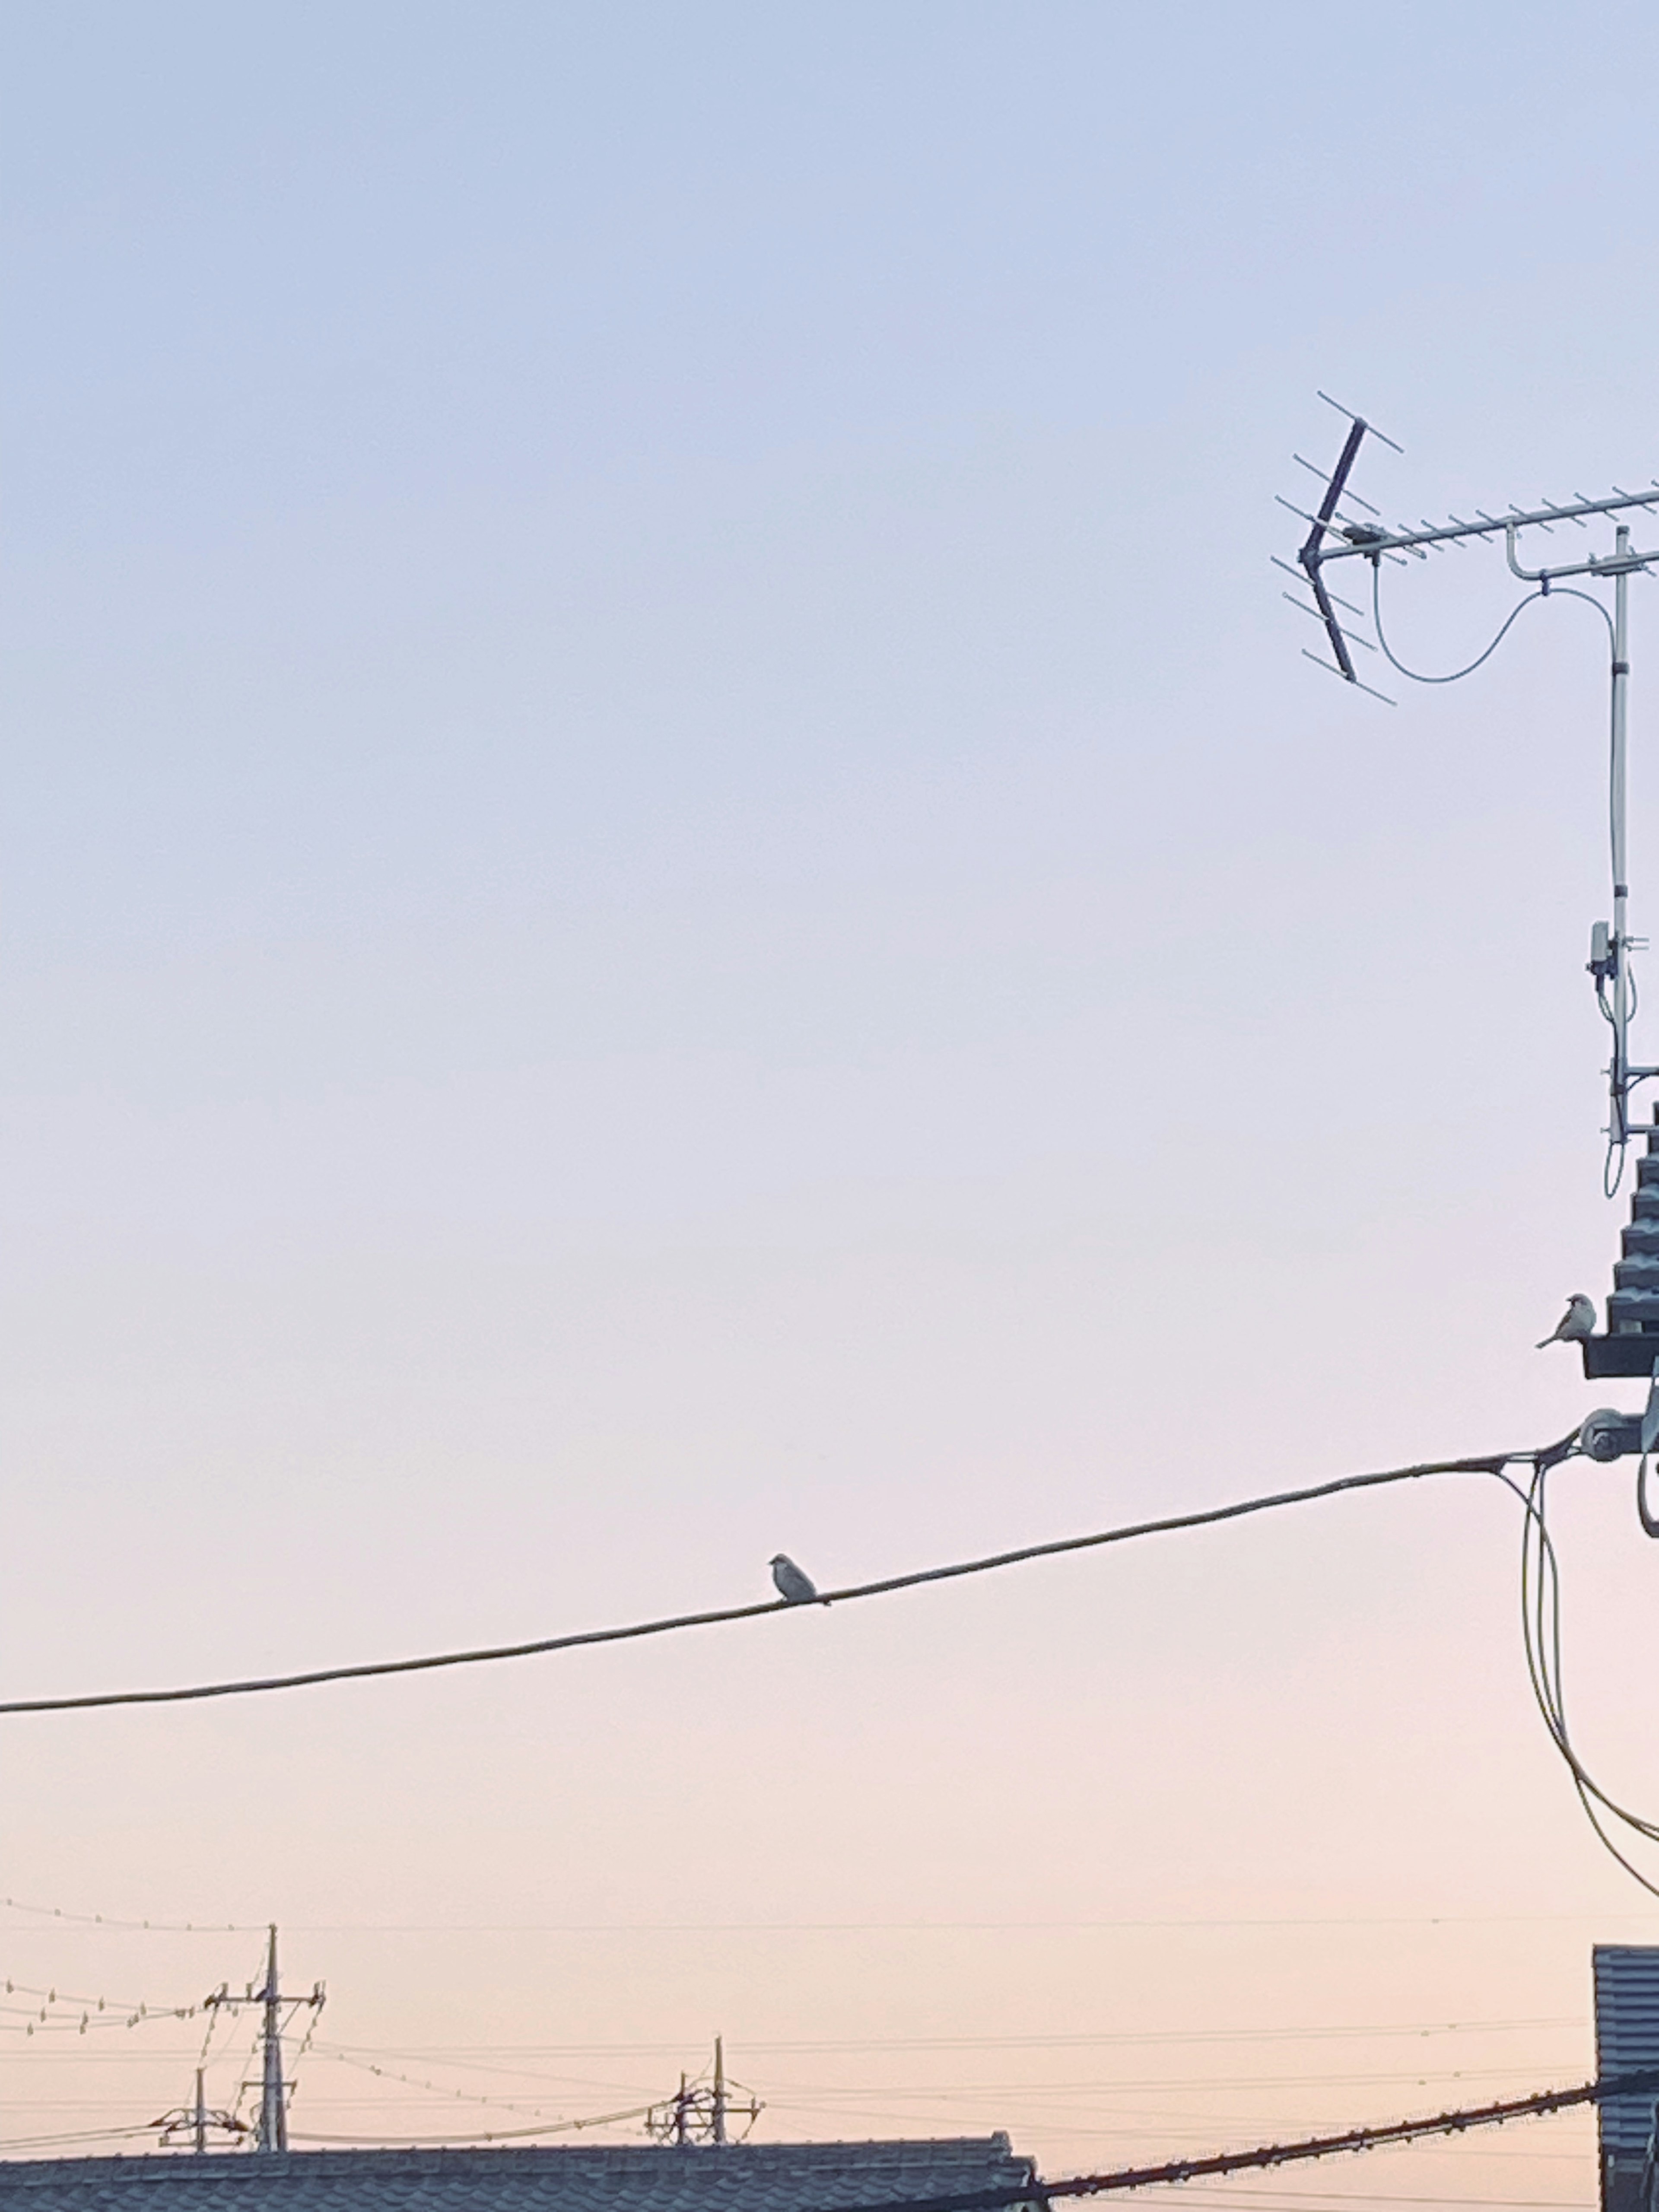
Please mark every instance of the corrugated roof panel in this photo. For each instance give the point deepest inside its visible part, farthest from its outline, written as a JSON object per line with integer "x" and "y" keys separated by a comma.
{"x": 1626, "y": 2037}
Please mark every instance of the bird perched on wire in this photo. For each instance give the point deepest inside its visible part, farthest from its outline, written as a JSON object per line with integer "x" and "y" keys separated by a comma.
{"x": 791, "y": 1584}
{"x": 1575, "y": 1325}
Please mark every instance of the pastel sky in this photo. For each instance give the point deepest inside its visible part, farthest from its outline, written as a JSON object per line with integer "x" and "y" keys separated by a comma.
{"x": 671, "y": 886}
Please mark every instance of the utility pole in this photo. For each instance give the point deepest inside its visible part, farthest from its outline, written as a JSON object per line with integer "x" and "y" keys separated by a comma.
{"x": 273, "y": 2103}
{"x": 702, "y": 2112}
{"x": 271, "y": 2125}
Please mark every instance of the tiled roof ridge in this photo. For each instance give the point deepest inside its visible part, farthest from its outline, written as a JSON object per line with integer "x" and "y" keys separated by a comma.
{"x": 296, "y": 2167}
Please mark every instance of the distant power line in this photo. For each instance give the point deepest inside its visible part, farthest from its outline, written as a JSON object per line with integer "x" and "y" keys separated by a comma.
{"x": 152, "y": 1927}
{"x": 116, "y": 1925}
{"x": 1489, "y": 1464}
{"x": 1124, "y": 2179}
{"x": 1121, "y": 2179}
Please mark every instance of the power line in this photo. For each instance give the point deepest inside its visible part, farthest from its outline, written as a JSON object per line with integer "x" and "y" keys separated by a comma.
{"x": 1490, "y": 1463}
{"x": 499, "y": 2134}
{"x": 413, "y": 2081}
{"x": 654, "y": 1929}
{"x": 1041, "y": 2193}
{"x": 1139, "y": 2039}
{"x": 1540, "y": 1623}
{"x": 151, "y": 1927}
{"x": 87, "y": 2134}
{"x": 1280, "y": 2198}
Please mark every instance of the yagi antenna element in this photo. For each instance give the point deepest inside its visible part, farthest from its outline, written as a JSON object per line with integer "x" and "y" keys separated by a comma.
{"x": 1320, "y": 523}
{"x": 1336, "y": 534}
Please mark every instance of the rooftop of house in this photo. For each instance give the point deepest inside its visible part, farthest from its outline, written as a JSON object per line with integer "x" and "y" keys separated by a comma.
{"x": 631, "y": 2177}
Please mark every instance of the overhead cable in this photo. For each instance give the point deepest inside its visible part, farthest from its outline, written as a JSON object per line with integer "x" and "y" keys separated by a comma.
{"x": 1540, "y": 1627}
{"x": 150, "y": 1927}
{"x": 1492, "y": 1463}
{"x": 1041, "y": 2193}
{"x": 498, "y": 2134}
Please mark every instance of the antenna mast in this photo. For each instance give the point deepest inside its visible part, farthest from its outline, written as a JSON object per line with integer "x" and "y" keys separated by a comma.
{"x": 1336, "y": 534}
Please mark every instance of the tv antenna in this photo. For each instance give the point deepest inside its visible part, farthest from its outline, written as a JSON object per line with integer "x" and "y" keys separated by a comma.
{"x": 1337, "y": 533}
{"x": 702, "y": 2112}
{"x": 278, "y": 2012}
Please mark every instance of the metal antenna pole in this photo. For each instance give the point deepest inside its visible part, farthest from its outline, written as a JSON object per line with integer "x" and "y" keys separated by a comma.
{"x": 200, "y": 2126}
{"x": 1336, "y": 534}
{"x": 1619, "y": 1132}
{"x": 720, "y": 2089}
{"x": 273, "y": 2115}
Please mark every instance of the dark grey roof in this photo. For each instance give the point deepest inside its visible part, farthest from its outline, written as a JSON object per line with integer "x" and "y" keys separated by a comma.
{"x": 635, "y": 2178}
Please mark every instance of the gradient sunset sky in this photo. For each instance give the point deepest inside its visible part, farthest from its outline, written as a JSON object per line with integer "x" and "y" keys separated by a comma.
{"x": 671, "y": 887}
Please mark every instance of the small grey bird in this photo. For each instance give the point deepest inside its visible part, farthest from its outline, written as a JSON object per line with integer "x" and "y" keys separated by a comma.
{"x": 1575, "y": 1325}
{"x": 792, "y": 1583}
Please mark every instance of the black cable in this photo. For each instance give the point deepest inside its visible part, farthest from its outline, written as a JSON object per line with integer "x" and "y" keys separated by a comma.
{"x": 1489, "y": 1463}
{"x": 1457, "y": 675}
{"x": 1613, "y": 1167}
{"x": 1612, "y": 1176}
{"x": 1540, "y": 1622}
{"x": 483, "y": 2136}
{"x": 87, "y": 2134}
{"x": 1649, "y": 1521}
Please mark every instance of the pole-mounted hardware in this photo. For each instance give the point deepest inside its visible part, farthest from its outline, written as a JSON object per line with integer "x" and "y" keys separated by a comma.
{"x": 703, "y": 2111}
{"x": 197, "y": 2121}
{"x": 277, "y": 2013}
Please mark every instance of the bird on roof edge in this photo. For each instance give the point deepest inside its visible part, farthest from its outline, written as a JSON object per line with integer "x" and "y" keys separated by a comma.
{"x": 1575, "y": 1325}
{"x": 791, "y": 1585}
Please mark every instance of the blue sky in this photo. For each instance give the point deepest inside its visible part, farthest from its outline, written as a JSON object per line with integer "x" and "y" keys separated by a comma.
{"x": 669, "y": 884}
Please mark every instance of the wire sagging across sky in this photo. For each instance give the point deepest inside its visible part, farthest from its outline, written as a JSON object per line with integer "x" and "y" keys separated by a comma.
{"x": 122, "y": 1927}
{"x": 1540, "y": 1627}
{"x": 1490, "y": 1463}
{"x": 1541, "y": 1611}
